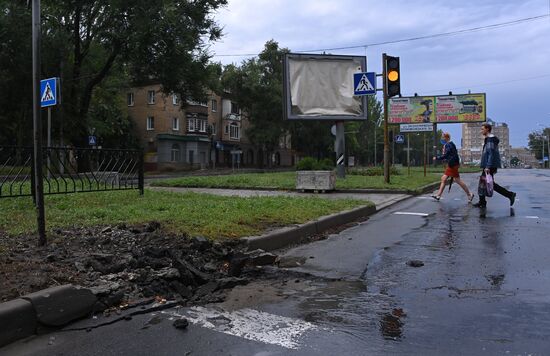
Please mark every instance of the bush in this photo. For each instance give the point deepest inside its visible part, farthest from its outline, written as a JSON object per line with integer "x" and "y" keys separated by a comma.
{"x": 372, "y": 171}
{"x": 311, "y": 164}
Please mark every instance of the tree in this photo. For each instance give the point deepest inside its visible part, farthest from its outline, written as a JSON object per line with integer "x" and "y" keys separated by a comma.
{"x": 257, "y": 86}
{"x": 536, "y": 142}
{"x": 87, "y": 41}
{"x": 15, "y": 73}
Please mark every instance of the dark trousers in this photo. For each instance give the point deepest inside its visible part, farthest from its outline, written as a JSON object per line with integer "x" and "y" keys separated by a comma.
{"x": 500, "y": 190}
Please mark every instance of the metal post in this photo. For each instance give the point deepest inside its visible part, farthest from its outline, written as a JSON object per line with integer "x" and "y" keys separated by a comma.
{"x": 425, "y": 154}
{"x": 548, "y": 149}
{"x": 49, "y": 141}
{"x": 408, "y": 154}
{"x": 386, "y": 141}
{"x": 393, "y": 151}
{"x": 543, "y": 161}
{"x": 37, "y": 124}
{"x": 375, "y": 127}
{"x": 340, "y": 150}
{"x": 141, "y": 178}
{"x": 435, "y": 144}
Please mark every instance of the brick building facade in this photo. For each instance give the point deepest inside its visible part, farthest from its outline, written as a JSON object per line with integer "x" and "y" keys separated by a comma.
{"x": 196, "y": 135}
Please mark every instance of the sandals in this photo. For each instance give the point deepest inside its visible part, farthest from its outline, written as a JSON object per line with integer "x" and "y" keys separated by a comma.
{"x": 471, "y": 197}
{"x": 436, "y": 197}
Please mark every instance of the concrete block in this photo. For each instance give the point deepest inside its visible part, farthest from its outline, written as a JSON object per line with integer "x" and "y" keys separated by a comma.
{"x": 60, "y": 305}
{"x": 17, "y": 321}
{"x": 316, "y": 180}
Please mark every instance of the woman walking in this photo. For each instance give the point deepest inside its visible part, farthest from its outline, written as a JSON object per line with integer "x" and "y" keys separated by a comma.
{"x": 450, "y": 154}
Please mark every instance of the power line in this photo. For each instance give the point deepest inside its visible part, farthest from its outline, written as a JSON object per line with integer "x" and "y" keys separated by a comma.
{"x": 492, "y": 83}
{"x": 443, "y": 34}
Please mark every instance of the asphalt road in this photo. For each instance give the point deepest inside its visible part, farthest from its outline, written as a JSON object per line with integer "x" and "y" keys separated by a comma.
{"x": 481, "y": 287}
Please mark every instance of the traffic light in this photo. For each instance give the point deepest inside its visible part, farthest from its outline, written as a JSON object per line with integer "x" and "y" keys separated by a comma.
{"x": 392, "y": 76}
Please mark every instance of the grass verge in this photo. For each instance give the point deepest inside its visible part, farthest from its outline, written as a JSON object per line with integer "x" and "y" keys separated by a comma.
{"x": 195, "y": 214}
{"x": 286, "y": 180}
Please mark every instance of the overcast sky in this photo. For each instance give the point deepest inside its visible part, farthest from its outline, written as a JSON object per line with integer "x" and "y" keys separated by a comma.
{"x": 510, "y": 63}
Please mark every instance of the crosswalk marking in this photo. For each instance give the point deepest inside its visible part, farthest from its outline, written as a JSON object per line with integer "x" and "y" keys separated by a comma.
{"x": 410, "y": 213}
{"x": 249, "y": 324}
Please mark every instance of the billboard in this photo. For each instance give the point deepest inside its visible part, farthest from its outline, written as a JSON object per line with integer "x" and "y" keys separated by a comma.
{"x": 321, "y": 87}
{"x": 460, "y": 108}
{"x": 438, "y": 109}
{"x": 411, "y": 110}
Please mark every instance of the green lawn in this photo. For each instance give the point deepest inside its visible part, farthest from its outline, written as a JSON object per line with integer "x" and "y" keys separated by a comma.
{"x": 195, "y": 214}
{"x": 286, "y": 180}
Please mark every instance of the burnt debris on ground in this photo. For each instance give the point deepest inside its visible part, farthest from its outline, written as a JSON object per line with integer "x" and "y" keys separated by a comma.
{"x": 122, "y": 264}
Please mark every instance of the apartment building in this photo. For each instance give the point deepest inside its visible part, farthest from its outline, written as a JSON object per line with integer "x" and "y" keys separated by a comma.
{"x": 472, "y": 141}
{"x": 196, "y": 135}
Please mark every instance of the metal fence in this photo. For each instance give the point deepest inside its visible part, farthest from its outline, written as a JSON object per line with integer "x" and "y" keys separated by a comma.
{"x": 70, "y": 170}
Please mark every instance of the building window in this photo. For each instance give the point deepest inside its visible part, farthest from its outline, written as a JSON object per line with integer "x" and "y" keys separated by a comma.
{"x": 234, "y": 108}
{"x": 150, "y": 97}
{"x": 150, "y": 123}
{"x": 175, "y": 99}
{"x": 214, "y": 105}
{"x": 190, "y": 124}
{"x": 214, "y": 129}
{"x": 227, "y": 129}
{"x": 191, "y": 157}
{"x": 201, "y": 125}
{"x": 234, "y": 131}
{"x": 175, "y": 124}
{"x": 175, "y": 155}
{"x": 130, "y": 99}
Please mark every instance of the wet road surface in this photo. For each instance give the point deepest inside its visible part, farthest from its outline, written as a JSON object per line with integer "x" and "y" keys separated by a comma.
{"x": 423, "y": 277}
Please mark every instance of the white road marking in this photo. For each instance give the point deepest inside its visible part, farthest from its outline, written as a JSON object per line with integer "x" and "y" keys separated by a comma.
{"x": 249, "y": 324}
{"x": 531, "y": 217}
{"x": 410, "y": 213}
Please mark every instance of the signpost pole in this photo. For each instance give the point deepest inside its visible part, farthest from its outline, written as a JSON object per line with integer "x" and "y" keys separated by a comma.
{"x": 37, "y": 125}
{"x": 49, "y": 141}
{"x": 435, "y": 143}
{"x": 374, "y": 163}
{"x": 386, "y": 141}
{"x": 340, "y": 150}
{"x": 425, "y": 153}
{"x": 408, "y": 154}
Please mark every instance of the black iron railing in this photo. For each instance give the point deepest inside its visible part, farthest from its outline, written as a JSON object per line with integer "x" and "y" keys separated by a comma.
{"x": 70, "y": 170}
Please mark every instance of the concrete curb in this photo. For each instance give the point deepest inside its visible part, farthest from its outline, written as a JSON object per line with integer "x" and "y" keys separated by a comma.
{"x": 290, "y": 235}
{"x": 39, "y": 311}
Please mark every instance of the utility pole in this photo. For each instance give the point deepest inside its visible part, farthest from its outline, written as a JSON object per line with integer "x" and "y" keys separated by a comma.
{"x": 386, "y": 141}
{"x": 37, "y": 124}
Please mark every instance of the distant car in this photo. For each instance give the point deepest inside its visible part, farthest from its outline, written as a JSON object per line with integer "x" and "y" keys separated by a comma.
{"x": 527, "y": 166}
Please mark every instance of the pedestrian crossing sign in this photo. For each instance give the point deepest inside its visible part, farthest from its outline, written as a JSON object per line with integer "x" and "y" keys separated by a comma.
{"x": 364, "y": 83}
{"x": 48, "y": 92}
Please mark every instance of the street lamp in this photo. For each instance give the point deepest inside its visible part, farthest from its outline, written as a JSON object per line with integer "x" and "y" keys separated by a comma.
{"x": 548, "y": 148}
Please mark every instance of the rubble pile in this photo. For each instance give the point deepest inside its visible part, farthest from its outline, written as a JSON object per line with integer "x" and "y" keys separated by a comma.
{"x": 126, "y": 263}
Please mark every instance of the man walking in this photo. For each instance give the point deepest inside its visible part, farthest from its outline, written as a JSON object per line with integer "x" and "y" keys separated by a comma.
{"x": 490, "y": 161}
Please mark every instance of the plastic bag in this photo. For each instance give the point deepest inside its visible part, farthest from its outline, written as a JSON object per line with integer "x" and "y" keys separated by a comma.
{"x": 489, "y": 185}
{"x": 482, "y": 186}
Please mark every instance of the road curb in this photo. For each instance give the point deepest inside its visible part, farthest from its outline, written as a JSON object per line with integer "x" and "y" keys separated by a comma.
{"x": 17, "y": 320}
{"x": 291, "y": 235}
{"x": 42, "y": 310}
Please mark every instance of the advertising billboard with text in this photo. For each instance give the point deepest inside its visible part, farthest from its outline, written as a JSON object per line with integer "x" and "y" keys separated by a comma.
{"x": 437, "y": 109}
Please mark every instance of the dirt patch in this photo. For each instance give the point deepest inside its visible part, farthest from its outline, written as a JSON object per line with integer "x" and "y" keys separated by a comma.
{"x": 121, "y": 264}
